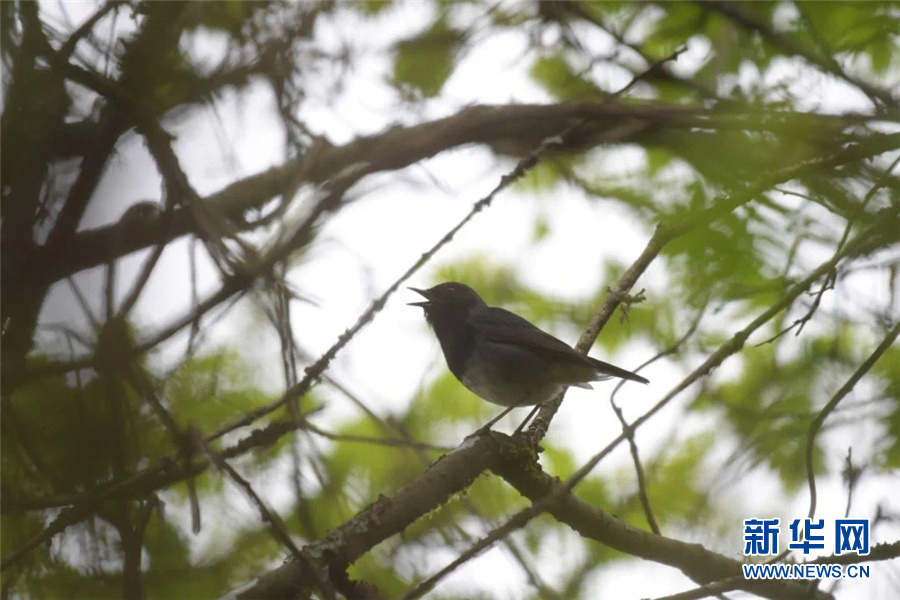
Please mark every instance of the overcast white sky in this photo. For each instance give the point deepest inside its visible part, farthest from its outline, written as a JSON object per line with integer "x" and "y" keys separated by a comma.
{"x": 403, "y": 213}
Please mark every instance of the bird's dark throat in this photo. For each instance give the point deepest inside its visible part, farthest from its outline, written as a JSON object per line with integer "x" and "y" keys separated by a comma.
{"x": 456, "y": 336}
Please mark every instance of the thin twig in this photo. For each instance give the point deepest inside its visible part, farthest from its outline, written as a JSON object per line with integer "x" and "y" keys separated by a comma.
{"x": 65, "y": 51}
{"x": 713, "y": 588}
{"x": 268, "y": 516}
{"x": 865, "y": 242}
{"x": 195, "y": 298}
{"x": 364, "y": 439}
{"x": 83, "y": 303}
{"x": 180, "y": 439}
{"x": 831, "y": 278}
{"x": 315, "y": 370}
{"x": 736, "y": 14}
{"x": 851, "y": 476}
{"x": 521, "y": 518}
{"x": 278, "y": 527}
{"x": 517, "y": 521}
{"x": 629, "y": 431}
{"x": 845, "y": 389}
{"x": 665, "y": 233}
{"x": 653, "y": 68}
{"x": 144, "y": 276}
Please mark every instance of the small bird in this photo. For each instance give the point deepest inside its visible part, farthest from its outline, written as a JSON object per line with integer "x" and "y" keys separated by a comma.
{"x": 503, "y": 358}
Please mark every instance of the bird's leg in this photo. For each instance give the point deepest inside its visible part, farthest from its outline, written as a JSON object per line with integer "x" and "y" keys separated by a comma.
{"x": 487, "y": 425}
{"x": 533, "y": 412}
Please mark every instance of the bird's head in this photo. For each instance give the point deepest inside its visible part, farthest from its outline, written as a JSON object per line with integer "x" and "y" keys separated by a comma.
{"x": 447, "y": 299}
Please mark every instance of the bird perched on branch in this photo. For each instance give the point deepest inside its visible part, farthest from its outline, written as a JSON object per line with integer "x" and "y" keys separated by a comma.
{"x": 503, "y": 358}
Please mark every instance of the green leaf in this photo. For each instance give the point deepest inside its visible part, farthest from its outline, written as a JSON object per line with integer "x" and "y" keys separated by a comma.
{"x": 213, "y": 389}
{"x": 657, "y": 159}
{"x": 888, "y": 371}
{"x": 558, "y": 461}
{"x": 445, "y": 401}
{"x": 542, "y": 178}
{"x": 554, "y": 74}
{"x": 541, "y": 228}
{"x": 771, "y": 404}
{"x": 224, "y": 15}
{"x": 426, "y": 61}
{"x": 372, "y": 8}
{"x": 673, "y": 478}
{"x": 680, "y": 21}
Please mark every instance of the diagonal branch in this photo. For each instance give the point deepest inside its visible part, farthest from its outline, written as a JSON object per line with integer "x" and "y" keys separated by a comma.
{"x": 275, "y": 522}
{"x": 737, "y": 15}
{"x": 666, "y": 232}
{"x": 386, "y": 517}
{"x": 314, "y": 371}
{"x": 231, "y": 285}
{"x": 867, "y": 241}
{"x": 845, "y": 389}
{"x": 693, "y": 560}
{"x": 65, "y": 51}
{"x": 347, "y": 542}
{"x": 628, "y": 430}
{"x": 494, "y": 126}
{"x": 467, "y": 463}
{"x": 716, "y": 588}
{"x": 548, "y": 494}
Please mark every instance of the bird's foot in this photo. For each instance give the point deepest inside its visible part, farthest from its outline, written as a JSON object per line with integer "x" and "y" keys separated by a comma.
{"x": 480, "y": 431}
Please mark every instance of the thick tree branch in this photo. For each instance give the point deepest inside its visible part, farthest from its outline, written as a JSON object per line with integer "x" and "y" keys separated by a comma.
{"x": 515, "y": 126}
{"x": 312, "y": 373}
{"x": 381, "y": 520}
{"x": 278, "y": 582}
{"x": 164, "y": 475}
{"x": 693, "y": 560}
{"x": 717, "y": 588}
{"x": 551, "y": 493}
{"x": 454, "y": 472}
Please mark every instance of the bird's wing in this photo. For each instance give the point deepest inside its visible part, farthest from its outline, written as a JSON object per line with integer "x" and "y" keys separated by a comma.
{"x": 500, "y": 325}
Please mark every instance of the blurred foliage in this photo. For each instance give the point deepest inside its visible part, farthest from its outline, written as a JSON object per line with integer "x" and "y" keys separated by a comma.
{"x": 888, "y": 368}
{"x": 66, "y": 436}
{"x": 554, "y": 75}
{"x": 423, "y": 63}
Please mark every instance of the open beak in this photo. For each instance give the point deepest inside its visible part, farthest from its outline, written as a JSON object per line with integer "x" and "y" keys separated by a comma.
{"x": 422, "y": 293}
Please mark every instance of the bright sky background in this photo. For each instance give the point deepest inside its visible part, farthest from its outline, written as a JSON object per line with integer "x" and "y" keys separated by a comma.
{"x": 401, "y": 214}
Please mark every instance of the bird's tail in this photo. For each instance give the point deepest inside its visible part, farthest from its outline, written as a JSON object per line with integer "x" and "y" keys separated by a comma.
{"x": 605, "y": 368}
